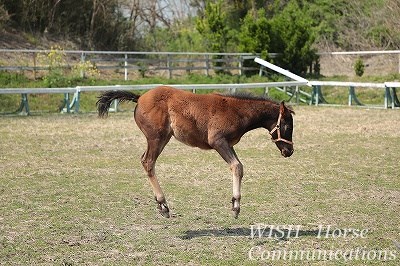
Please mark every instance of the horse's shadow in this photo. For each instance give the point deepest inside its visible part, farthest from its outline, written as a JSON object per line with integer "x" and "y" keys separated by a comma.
{"x": 282, "y": 234}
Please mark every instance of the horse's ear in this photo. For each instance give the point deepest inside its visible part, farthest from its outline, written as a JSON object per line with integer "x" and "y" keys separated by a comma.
{"x": 282, "y": 108}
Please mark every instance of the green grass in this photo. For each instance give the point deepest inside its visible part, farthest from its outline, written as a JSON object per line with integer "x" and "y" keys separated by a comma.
{"x": 73, "y": 191}
{"x": 51, "y": 103}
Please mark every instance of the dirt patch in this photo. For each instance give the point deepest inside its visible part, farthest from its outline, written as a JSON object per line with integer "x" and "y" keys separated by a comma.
{"x": 375, "y": 65}
{"x": 12, "y": 39}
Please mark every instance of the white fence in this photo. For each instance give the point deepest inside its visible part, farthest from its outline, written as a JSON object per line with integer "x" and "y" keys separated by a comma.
{"x": 71, "y": 99}
{"x": 390, "y": 96}
{"x": 72, "y": 104}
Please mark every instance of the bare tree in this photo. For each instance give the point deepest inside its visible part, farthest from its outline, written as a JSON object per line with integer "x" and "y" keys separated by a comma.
{"x": 98, "y": 8}
{"x": 180, "y": 10}
{"x": 52, "y": 12}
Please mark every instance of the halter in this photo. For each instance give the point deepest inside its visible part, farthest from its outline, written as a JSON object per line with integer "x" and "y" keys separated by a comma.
{"x": 277, "y": 128}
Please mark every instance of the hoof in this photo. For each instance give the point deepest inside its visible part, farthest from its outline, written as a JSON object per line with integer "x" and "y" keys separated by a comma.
{"x": 235, "y": 212}
{"x": 235, "y": 207}
{"x": 165, "y": 214}
{"x": 163, "y": 209}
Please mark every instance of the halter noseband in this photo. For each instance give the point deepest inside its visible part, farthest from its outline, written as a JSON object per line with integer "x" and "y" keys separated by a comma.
{"x": 277, "y": 128}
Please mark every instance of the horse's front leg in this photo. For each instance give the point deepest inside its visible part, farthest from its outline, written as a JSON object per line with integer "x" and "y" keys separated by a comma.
{"x": 237, "y": 171}
{"x": 229, "y": 155}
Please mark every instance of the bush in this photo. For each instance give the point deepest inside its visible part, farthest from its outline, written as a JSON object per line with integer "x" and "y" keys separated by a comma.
{"x": 59, "y": 74}
{"x": 359, "y": 67}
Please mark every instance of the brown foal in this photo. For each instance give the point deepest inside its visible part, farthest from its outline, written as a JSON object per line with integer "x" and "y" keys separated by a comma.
{"x": 211, "y": 121}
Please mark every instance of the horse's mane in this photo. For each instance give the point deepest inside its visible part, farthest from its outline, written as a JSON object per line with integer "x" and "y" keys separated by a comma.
{"x": 250, "y": 96}
{"x": 247, "y": 96}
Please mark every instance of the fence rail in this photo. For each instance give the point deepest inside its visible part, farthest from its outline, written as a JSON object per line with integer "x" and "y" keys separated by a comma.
{"x": 390, "y": 95}
{"x": 132, "y": 63}
{"x": 292, "y": 88}
{"x": 73, "y": 104}
{"x": 138, "y": 61}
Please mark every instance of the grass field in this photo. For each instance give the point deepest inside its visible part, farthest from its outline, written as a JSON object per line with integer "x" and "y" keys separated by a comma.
{"x": 73, "y": 192}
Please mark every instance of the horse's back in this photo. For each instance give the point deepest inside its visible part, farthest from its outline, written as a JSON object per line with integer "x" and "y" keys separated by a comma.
{"x": 169, "y": 98}
{"x": 183, "y": 114}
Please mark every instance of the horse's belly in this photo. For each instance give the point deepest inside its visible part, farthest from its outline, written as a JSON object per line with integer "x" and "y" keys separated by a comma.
{"x": 191, "y": 138}
{"x": 189, "y": 134}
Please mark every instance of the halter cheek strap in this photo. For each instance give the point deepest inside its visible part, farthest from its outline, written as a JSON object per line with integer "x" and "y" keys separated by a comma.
{"x": 278, "y": 130}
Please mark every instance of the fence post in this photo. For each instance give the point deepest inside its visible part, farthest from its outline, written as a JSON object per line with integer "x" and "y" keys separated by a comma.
{"x": 266, "y": 91}
{"x": 24, "y": 104}
{"x": 260, "y": 72}
{"x": 240, "y": 65}
{"x": 34, "y": 66}
{"x": 399, "y": 63}
{"x": 77, "y": 99}
{"x": 312, "y": 95}
{"x": 207, "y": 64}
{"x": 351, "y": 89}
{"x": 66, "y": 102}
{"x": 169, "y": 67}
{"x": 387, "y": 96}
{"x": 83, "y": 58}
{"x": 317, "y": 95}
{"x": 393, "y": 96}
{"x": 126, "y": 66}
{"x": 353, "y": 96}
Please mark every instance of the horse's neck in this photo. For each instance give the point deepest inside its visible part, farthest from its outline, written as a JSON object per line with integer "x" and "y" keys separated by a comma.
{"x": 263, "y": 114}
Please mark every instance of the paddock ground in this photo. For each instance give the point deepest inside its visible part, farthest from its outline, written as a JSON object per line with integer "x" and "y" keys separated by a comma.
{"x": 73, "y": 192}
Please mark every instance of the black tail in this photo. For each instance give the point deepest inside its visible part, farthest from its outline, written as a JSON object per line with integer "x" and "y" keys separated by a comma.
{"x": 105, "y": 100}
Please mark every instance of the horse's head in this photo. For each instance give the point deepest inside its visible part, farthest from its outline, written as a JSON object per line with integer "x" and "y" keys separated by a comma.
{"x": 282, "y": 131}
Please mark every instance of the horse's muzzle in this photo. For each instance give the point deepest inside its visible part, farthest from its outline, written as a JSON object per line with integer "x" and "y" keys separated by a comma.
{"x": 287, "y": 152}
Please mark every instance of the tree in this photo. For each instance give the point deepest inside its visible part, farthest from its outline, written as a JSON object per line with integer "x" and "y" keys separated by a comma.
{"x": 29, "y": 15}
{"x": 254, "y": 36}
{"x": 254, "y": 33}
{"x": 213, "y": 26}
{"x": 325, "y": 16}
{"x": 4, "y": 16}
{"x": 293, "y": 36}
{"x": 214, "y": 29}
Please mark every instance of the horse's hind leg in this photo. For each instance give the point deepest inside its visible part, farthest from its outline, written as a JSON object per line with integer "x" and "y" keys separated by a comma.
{"x": 154, "y": 148}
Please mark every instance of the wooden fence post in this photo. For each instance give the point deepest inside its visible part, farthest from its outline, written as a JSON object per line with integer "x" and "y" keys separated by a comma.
{"x": 126, "y": 66}
{"x": 240, "y": 65}
{"x": 34, "y": 66}
{"x": 207, "y": 64}
{"x": 83, "y": 56}
{"x": 169, "y": 67}
{"x": 399, "y": 63}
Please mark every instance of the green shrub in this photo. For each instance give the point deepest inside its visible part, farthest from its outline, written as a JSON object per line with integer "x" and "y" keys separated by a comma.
{"x": 359, "y": 67}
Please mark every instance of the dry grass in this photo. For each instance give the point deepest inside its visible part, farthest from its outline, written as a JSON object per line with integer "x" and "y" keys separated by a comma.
{"x": 72, "y": 191}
